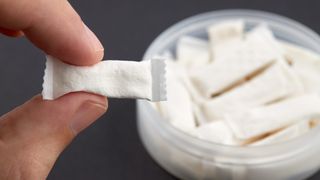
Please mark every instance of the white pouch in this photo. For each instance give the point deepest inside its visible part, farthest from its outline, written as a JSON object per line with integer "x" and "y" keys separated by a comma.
{"x": 120, "y": 79}
{"x": 225, "y": 36}
{"x": 200, "y": 118}
{"x": 268, "y": 45}
{"x": 222, "y": 32}
{"x": 306, "y": 64}
{"x": 196, "y": 96}
{"x": 261, "y": 120}
{"x": 258, "y": 50}
{"x": 178, "y": 107}
{"x": 276, "y": 82}
{"x": 309, "y": 75}
{"x": 299, "y": 55}
{"x": 258, "y": 44}
{"x": 192, "y": 52}
{"x": 286, "y": 134}
{"x": 217, "y": 132}
{"x": 182, "y": 73}
{"x": 220, "y": 76}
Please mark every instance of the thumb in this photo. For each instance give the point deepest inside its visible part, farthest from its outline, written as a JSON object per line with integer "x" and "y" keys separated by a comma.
{"x": 33, "y": 135}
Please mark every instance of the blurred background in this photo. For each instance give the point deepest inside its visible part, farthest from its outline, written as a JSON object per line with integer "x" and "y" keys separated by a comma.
{"x": 111, "y": 148}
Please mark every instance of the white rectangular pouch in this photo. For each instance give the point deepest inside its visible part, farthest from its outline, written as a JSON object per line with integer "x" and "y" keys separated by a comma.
{"x": 309, "y": 75}
{"x": 225, "y": 36}
{"x": 286, "y": 134}
{"x": 299, "y": 55}
{"x": 178, "y": 107}
{"x": 118, "y": 79}
{"x": 261, "y": 120}
{"x": 257, "y": 51}
{"x": 306, "y": 64}
{"x": 224, "y": 31}
{"x": 192, "y": 52}
{"x": 276, "y": 82}
{"x": 217, "y": 132}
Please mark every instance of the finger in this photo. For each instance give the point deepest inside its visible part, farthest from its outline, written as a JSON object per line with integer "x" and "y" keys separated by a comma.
{"x": 11, "y": 33}
{"x": 53, "y": 26}
{"x": 35, "y": 133}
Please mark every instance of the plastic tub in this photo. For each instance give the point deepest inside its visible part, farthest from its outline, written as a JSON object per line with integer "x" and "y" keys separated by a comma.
{"x": 190, "y": 158}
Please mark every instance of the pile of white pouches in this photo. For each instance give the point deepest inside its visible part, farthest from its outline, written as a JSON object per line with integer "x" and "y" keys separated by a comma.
{"x": 242, "y": 88}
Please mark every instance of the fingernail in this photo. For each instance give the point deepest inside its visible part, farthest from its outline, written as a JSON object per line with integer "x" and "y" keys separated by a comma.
{"x": 96, "y": 44}
{"x": 86, "y": 114}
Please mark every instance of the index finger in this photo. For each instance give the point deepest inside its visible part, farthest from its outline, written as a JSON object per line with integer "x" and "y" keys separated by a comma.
{"x": 55, "y": 27}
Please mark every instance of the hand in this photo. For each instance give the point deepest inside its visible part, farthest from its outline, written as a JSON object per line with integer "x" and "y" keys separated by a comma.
{"x": 33, "y": 135}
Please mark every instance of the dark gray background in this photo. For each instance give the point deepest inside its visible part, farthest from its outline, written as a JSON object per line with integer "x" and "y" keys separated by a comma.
{"x": 110, "y": 148}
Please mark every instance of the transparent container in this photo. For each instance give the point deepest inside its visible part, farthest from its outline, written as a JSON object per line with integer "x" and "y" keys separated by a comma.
{"x": 187, "y": 157}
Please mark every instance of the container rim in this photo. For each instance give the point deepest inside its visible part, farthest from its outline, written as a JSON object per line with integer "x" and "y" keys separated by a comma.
{"x": 247, "y": 154}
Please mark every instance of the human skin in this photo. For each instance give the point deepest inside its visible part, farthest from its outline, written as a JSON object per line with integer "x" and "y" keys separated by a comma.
{"x": 33, "y": 135}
